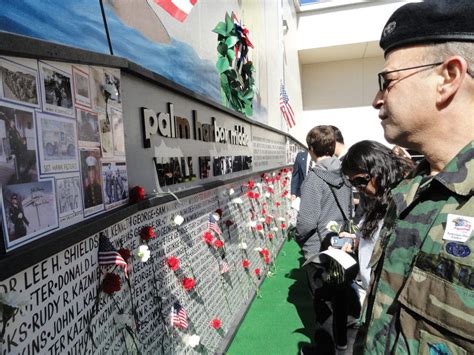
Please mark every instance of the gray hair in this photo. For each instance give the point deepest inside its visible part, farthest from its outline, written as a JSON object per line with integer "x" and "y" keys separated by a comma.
{"x": 441, "y": 51}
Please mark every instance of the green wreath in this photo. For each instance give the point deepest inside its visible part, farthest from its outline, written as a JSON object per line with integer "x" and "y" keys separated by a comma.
{"x": 235, "y": 70}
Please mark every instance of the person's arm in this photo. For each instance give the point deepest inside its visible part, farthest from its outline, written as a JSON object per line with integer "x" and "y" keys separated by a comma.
{"x": 310, "y": 208}
{"x": 295, "y": 179}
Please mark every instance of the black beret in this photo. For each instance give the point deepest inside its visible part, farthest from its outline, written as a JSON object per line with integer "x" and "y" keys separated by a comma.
{"x": 431, "y": 21}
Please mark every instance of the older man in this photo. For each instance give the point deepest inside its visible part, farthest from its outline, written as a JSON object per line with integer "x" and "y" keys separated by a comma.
{"x": 421, "y": 299}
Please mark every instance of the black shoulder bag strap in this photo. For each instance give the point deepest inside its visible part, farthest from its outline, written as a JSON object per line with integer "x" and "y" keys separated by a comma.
{"x": 347, "y": 217}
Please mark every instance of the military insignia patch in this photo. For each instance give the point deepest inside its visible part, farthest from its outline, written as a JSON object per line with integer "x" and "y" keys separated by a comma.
{"x": 459, "y": 250}
{"x": 458, "y": 228}
{"x": 389, "y": 28}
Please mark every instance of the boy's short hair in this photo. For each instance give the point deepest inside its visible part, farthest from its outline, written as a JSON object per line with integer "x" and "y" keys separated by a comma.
{"x": 321, "y": 140}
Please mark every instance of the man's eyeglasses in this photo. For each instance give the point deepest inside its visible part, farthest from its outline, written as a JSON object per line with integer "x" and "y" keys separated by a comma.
{"x": 360, "y": 181}
{"x": 384, "y": 82}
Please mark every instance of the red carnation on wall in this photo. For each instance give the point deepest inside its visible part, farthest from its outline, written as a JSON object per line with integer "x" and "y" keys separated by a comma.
{"x": 251, "y": 194}
{"x": 245, "y": 264}
{"x": 283, "y": 226}
{"x": 216, "y": 323}
{"x": 125, "y": 254}
{"x": 259, "y": 227}
{"x": 208, "y": 237}
{"x": 147, "y": 233}
{"x": 264, "y": 212}
{"x": 268, "y": 220}
{"x": 188, "y": 283}
{"x": 137, "y": 193}
{"x": 173, "y": 263}
{"x": 218, "y": 243}
{"x": 264, "y": 252}
{"x": 266, "y": 260}
{"x": 256, "y": 195}
{"x": 270, "y": 236}
{"x": 250, "y": 184}
{"x": 111, "y": 283}
{"x": 257, "y": 272}
{"x": 278, "y": 204}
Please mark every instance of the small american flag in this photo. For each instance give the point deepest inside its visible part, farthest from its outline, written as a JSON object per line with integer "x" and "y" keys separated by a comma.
{"x": 108, "y": 255}
{"x": 179, "y": 319}
{"x": 286, "y": 108}
{"x": 212, "y": 224}
{"x": 224, "y": 267}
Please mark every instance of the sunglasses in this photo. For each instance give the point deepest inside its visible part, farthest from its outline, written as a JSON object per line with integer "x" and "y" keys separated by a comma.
{"x": 360, "y": 181}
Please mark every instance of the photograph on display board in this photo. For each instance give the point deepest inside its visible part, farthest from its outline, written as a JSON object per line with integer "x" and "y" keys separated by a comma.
{"x": 82, "y": 92}
{"x": 57, "y": 90}
{"x": 29, "y": 210}
{"x": 18, "y": 83}
{"x": 18, "y": 161}
{"x": 106, "y": 138}
{"x": 57, "y": 144}
{"x": 112, "y": 89}
{"x": 69, "y": 199}
{"x": 117, "y": 131}
{"x": 115, "y": 183}
{"x": 87, "y": 128}
{"x": 91, "y": 181}
{"x": 97, "y": 88}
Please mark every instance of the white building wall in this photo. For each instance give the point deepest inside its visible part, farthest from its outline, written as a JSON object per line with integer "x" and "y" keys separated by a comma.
{"x": 340, "y": 59}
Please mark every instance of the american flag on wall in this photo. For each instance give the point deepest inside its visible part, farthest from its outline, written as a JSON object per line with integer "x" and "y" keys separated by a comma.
{"x": 285, "y": 107}
{"x": 212, "y": 224}
{"x": 179, "y": 9}
{"x": 179, "y": 319}
{"x": 108, "y": 255}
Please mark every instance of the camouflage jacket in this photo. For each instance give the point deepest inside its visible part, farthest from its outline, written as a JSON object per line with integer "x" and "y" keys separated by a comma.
{"x": 421, "y": 298}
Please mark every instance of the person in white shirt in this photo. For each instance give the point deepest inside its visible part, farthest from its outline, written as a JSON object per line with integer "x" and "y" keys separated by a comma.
{"x": 374, "y": 170}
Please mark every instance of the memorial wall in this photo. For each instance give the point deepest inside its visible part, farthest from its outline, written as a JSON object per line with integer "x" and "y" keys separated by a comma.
{"x": 84, "y": 270}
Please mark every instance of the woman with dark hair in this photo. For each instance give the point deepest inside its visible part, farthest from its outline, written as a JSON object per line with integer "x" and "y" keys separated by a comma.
{"x": 374, "y": 170}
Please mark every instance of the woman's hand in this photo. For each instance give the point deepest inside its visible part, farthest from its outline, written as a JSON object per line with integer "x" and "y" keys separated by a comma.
{"x": 347, "y": 247}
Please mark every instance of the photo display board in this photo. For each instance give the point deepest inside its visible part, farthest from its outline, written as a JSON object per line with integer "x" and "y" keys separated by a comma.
{"x": 62, "y": 150}
{"x": 78, "y": 302}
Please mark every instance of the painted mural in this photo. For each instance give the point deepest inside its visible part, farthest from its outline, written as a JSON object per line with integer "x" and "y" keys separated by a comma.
{"x": 174, "y": 38}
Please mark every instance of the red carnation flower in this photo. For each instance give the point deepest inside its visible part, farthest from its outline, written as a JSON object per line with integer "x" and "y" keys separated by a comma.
{"x": 208, "y": 237}
{"x": 216, "y": 323}
{"x": 278, "y": 204}
{"x": 264, "y": 204}
{"x": 256, "y": 195}
{"x": 219, "y": 212}
{"x": 251, "y": 194}
{"x": 173, "y": 263}
{"x": 270, "y": 236}
{"x": 266, "y": 260}
{"x": 125, "y": 254}
{"x": 111, "y": 283}
{"x": 257, "y": 272}
{"x": 188, "y": 283}
{"x": 137, "y": 194}
{"x": 147, "y": 233}
{"x": 250, "y": 184}
{"x": 229, "y": 223}
{"x": 259, "y": 227}
{"x": 270, "y": 190}
{"x": 277, "y": 178}
{"x": 285, "y": 171}
{"x": 218, "y": 243}
{"x": 268, "y": 220}
{"x": 264, "y": 212}
{"x": 245, "y": 264}
{"x": 284, "y": 193}
{"x": 283, "y": 226}
{"x": 264, "y": 252}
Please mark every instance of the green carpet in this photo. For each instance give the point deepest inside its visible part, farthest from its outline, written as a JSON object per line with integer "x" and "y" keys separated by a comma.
{"x": 280, "y": 321}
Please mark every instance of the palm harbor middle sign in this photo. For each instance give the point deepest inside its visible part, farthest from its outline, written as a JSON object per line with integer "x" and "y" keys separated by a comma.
{"x": 174, "y": 170}
{"x": 168, "y": 125}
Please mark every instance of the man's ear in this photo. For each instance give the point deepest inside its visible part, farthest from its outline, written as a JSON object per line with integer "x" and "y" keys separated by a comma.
{"x": 452, "y": 75}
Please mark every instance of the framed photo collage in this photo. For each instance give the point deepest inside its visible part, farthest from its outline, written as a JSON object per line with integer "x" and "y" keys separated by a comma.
{"x": 62, "y": 148}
